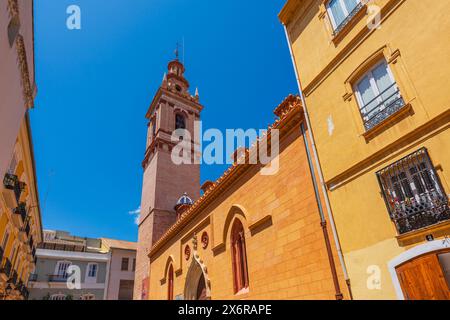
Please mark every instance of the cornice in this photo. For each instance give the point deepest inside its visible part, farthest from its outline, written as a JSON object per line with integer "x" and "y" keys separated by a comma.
{"x": 288, "y": 11}
{"x": 362, "y": 35}
{"x": 420, "y": 133}
{"x": 27, "y": 90}
{"x": 289, "y": 117}
{"x": 162, "y": 91}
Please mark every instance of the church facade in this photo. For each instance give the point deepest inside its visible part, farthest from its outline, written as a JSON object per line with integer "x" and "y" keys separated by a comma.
{"x": 249, "y": 235}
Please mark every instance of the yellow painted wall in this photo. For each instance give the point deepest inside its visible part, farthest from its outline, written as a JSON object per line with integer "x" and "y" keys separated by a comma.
{"x": 414, "y": 40}
{"x": 25, "y": 173}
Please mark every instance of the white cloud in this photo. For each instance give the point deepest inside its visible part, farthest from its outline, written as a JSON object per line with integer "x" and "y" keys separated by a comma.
{"x": 137, "y": 215}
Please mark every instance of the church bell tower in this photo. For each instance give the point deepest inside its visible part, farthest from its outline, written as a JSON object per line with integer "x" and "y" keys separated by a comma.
{"x": 173, "y": 107}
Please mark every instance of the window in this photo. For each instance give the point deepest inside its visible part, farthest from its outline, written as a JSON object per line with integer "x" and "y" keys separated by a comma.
{"x": 91, "y": 273}
{"x": 170, "y": 284}
{"x": 62, "y": 268}
{"x": 134, "y": 265}
{"x": 92, "y": 270}
{"x": 126, "y": 288}
{"x": 378, "y": 95}
{"x": 239, "y": 257}
{"x": 125, "y": 262}
{"x": 341, "y": 12}
{"x": 413, "y": 193}
{"x": 180, "y": 122}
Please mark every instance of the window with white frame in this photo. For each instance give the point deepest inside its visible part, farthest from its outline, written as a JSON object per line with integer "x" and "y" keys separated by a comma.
{"x": 91, "y": 273}
{"x": 62, "y": 268}
{"x": 340, "y": 11}
{"x": 378, "y": 95}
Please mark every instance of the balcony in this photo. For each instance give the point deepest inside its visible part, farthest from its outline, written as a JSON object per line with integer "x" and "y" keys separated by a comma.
{"x": 413, "y": 193}
{"x": 24, "y": 233}
{"x": 24, "y": 292}
{"x": 57, "y": 278}
{"x": 20, "y": 215}
{"x": 384, "y": 107}
{"x": 13, "y": 190}
{"x": 349, "y": 18}
{"x": 5, "y": 269}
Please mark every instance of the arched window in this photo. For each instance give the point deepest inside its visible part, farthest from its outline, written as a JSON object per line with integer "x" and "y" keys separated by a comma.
{"x": 170, "y": 283}
{"x": 239, "y": 256}
{"x": 180, "y": 122}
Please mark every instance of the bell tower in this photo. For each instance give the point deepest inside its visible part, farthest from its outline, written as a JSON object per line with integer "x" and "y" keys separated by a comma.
{"x": 173, "y": 107}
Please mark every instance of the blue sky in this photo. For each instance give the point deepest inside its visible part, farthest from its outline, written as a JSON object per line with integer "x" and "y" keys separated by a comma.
{"x": 96, "y": 84}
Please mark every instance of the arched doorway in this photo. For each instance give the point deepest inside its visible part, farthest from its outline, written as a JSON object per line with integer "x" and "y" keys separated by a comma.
{"x": 201, "y": 289}
{"x": 197, "y": 286}
{"x": 423, "y": 272}
{"x": 424, "y": 277}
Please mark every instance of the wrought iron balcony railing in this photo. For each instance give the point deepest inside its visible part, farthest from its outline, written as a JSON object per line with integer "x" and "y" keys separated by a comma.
{"x": 385, "y": 107}
{"x": 11, "y": 182}
{"x": 57, "y": 278}
{"x": 6, "y": 267}
{"x": 24, "y": 292}
{"x": 413, "y": 193}
{"x": 342, "y": 25}
{"x": 22, "y": 211}
{"x": 19, "y": 286}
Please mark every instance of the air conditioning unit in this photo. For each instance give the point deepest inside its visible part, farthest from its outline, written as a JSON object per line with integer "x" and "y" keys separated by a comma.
{"x": 10, "y": 198}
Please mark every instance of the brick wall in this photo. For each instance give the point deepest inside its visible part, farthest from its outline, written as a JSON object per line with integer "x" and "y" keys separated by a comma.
{"x": 287, "y": 258}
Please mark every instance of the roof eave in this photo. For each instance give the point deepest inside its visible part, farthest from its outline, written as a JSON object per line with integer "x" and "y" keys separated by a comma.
{"x": 288, "y": 11}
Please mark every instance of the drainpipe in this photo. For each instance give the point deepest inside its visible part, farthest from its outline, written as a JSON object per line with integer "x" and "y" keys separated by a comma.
{"x": 108, "y": 275}
{"x": 322, "y": 183}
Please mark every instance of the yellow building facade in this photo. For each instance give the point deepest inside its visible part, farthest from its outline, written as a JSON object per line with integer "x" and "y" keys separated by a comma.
{"x": 20, "y": 219}
{"x": 373, "y": 77}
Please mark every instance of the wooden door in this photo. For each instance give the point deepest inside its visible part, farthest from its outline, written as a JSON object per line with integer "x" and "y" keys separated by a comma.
{"x": 423, "y": 279}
